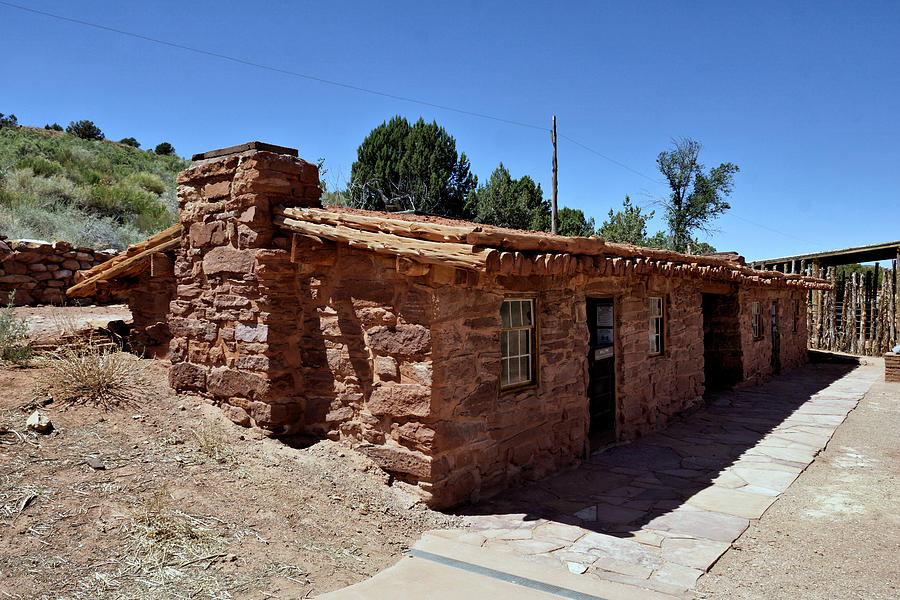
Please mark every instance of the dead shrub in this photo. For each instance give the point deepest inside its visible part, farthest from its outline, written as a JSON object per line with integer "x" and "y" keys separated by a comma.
{"x": 162, "y": 540}
{"x": 93, "y": 373}
{"x": 14, "y": 344}
{"x": 213, "y": 444}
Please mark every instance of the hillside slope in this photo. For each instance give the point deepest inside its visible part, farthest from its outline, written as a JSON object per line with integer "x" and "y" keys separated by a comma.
{"x": 56, "y": 186}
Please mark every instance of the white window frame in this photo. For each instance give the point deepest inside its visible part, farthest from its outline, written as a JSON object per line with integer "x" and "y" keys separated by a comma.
{"x": 657, "y": 323}
{"x": 754, "y": 320}
{"x": 517, "y": 347}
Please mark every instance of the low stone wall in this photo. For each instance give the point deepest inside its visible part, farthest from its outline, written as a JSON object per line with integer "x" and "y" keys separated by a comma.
{"x": 39, "y": 272}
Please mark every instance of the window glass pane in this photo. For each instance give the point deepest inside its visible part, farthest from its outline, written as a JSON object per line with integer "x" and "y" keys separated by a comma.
{"x": 504, "y": 371}
{"x": 523, "y": 342}
{"x": 504, "y": 314}
{"x": 525, "y": 368}
{"x": 527, "y": 317}
{"x": 514, "y": 371}
{"x": 504, "y": 343}
{"x": 516, "y": 313}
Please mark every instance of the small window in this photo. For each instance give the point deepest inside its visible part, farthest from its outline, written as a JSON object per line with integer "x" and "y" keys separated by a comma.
{"x": 657, "y": 326}
{"x": 517, "y": 343}
{"x": 754, "y": 318}
{"x": 796, "y": 321}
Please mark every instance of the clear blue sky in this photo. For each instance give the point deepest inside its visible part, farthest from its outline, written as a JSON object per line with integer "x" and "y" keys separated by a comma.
{"x": 803, "y": 96}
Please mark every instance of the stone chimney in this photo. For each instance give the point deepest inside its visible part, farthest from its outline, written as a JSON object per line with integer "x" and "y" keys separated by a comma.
{"x": 234, "y": 316}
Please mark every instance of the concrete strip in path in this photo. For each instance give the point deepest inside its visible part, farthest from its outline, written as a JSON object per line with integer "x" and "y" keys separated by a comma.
{"x": 442, "y": 569}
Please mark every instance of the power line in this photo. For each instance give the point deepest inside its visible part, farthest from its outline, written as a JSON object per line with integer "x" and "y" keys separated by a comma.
{"x": 331, "y": 82}
{"x": 249, "y": 63}
{"x": 612, "y": 160}
{"x": 356, "y": 88}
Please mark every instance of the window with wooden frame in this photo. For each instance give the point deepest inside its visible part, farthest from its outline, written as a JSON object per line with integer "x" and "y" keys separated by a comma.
{"x": 517, "y": 343}
{"x": 657, "y": 324}
{"x": 754, "y": 319}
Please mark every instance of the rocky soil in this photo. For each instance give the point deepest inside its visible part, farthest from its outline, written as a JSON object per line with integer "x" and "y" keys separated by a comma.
{"x": 165, "y": 498}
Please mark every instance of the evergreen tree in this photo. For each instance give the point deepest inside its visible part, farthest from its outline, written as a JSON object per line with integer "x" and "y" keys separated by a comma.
{"x": 571, "y": 221}
{"x": 85, "y": 129}
{"x": 629, "y": 226}
{"x": 507, "y": 202}
{"x": 411, "y": 167}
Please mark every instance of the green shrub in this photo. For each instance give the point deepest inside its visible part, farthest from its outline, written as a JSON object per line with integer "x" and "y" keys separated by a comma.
{"x": 47, "y": 189}
{"x": 54, "y": 127}
{"x": 8, "y": 121}
{"x": 165, "y": 148}
{"x": 41, "y": 166}
{"x": 85, "y": 129}
{"x": 147, "y": 181}
{"x": 130, "y": 141}
{"x": 14, "y": 346}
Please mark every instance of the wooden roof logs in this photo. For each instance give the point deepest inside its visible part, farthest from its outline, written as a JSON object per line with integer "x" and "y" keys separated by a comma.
{"x": 507, "y": 252}
{"x": 469, "y": 246}
{"x": 423, "y": 250}
{"x": 131, "y": 262}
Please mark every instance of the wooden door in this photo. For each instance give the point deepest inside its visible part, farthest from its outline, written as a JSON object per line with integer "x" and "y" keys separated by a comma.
{"x": 601, "y": 370}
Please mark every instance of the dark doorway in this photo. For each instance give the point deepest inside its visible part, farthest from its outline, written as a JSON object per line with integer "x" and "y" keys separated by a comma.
{"x": 723, "y": 365}
{"x": 776, "y": 350}
{"x": 601, "y": 371}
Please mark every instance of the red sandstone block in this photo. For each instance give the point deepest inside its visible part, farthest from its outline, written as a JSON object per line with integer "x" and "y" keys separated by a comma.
{"x": 397, "y": 459}
{"x": 225, "y": 259}
{"x": 400, "y": 400}
{"x": 401, "y": 339}
{"x": 224, "y": 383}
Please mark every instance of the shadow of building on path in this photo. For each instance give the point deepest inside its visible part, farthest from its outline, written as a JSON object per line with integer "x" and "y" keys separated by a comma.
{"x": 620, "y": 489}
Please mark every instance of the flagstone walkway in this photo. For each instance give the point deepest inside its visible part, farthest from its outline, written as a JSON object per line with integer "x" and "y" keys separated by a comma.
{"x": 658, "y": 512}
{"x": 646, "y": 519}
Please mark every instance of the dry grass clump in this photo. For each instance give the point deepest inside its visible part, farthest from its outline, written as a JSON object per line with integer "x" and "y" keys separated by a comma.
{"x": 93, "y": 373}
{"x": 14, "y": 344}
{"x": 213, "y": 444}
{"x": 162, "y": 541}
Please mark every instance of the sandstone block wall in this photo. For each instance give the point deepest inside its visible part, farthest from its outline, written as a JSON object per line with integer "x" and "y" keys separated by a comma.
{"x": 401, "y": 360}
{"x": 233, "y": 319}
{"x": 365, "y": 344}
{"x": 757, "y": 355}
{"x": 40, "y": 273}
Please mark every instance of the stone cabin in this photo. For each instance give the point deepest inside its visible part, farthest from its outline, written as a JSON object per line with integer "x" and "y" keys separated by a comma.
{"x": 462, "y": 358}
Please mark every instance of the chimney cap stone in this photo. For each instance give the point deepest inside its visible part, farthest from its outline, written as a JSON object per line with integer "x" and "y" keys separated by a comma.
{"x": 245, "y": 147}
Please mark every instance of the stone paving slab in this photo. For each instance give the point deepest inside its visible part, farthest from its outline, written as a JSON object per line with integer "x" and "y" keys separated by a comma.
{"x": 658, "y": 512}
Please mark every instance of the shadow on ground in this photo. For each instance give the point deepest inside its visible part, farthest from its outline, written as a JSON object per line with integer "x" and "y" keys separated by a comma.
{"x": 620, "y": 489}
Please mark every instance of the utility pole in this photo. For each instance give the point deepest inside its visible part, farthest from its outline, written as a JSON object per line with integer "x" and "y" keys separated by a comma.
{"x": 553, "y": 215}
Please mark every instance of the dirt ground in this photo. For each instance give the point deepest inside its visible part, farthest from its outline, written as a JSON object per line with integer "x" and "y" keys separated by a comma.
{"x": 835, "y": 533}
{"x": 165, "y": 498}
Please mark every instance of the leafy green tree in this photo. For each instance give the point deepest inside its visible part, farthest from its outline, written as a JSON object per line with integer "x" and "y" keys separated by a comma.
{"x": 629, "y": 226}
{"x": 697, "y": 247}
{"x": 54, "y": 127}
{"x": 571, "y": 221}
{"x": 165, "y": 149}
{"x": 130, "y": 141}
{"x": 411, "y": 167}
{"x": 8, "y": 121}
{"x": 507, "y": 202}
{"x": 696, "y": 197}
{"x": 85, "y": 129}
